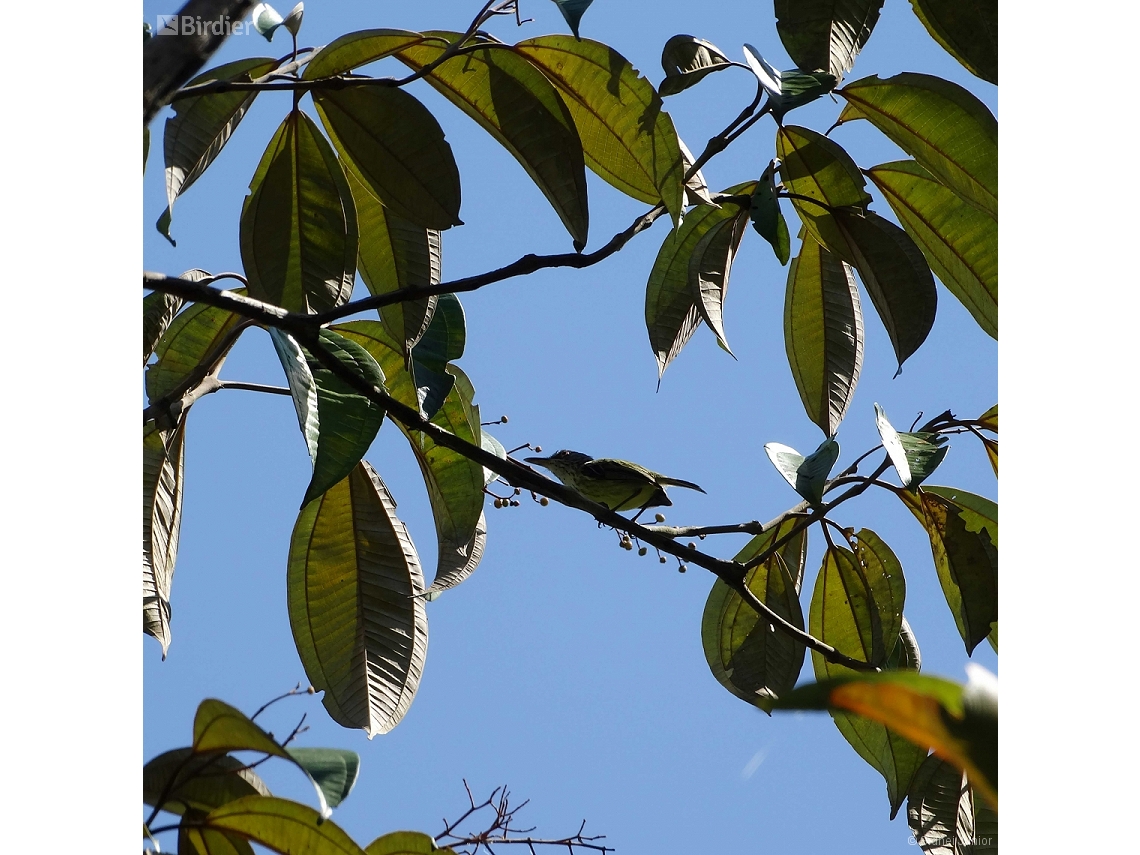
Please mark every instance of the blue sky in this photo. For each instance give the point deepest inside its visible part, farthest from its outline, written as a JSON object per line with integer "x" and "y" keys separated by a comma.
{"x": 565, "y": 667}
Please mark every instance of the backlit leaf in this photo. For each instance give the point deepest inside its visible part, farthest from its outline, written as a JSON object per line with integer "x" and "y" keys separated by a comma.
{"x": 823, "y": 333}
{"x": 201, "y": 126}
{"x": 959, "y": 241}
{"x": 826, "y": 34}
{"x": 354, "y": 582}
{"x": 744, "y": 653}
{"x": 198, "y": 335}
{"x": 807, "y": 475}
{"x": 515, "y": 103}
{"x": 687, "y": 60}
{"x": 856, "y": 607}
{"x": 282, "y": 826}
{"x": 353, "y": 50}
{"x": 397, "y": 148}
{"x": 671, "y": 313}
{"x": 195, "y": 839}
{"x": 944, "y": 814}
{"x": 968, "y": 29}
{"x": 298, "y": 225}
{"x": 628, "y": 140}
{"x": 817, "y": 168}
{"x": 709, "y": 269}
{"x": 989, "y": 419}
{"x": 163, "y": 466}
{"x": 396, "y": 254}
{"x": 963, "y": 534}
{"x": 405, "y": 843}
{"x": 896, "y": 276}
{"x": 992, "y": 453}
{"x": 941, "y": 125}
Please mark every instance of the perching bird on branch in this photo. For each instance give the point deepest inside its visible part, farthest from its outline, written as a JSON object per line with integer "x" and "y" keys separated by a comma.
{"x": 617, "y": 484}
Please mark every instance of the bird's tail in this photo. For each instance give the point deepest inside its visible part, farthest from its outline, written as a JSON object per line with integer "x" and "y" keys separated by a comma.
{"x": 677, "y": 482}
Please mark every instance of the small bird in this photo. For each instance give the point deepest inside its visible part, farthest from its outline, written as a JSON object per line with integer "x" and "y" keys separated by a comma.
{"x": 617, "y": 484}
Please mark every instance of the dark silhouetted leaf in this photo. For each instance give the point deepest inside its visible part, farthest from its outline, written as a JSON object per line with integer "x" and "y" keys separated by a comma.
{"x": 158, "y": 311}
{"x": 442, "y": 343}
{"x": 968, "y": 29}
{"x": 197, "y": 782}
{"x": 769, "y": 221}
{"x": 744, "y": 654}
{"x": 938, "y": 123}
{"x": 515, "y": 103}
{"x": 826, "y": 34}
{"x": 807, "y": 475}
{"x": 200, "y": 127}
{"x": 823, "y": 333}
{"x": 671, "y": 313}
{"x": 959, "y": 241}
{"x": 397, "y": 148}
{"x": 687, "y": 60}
{"x": 896, "y": 277}
{"x": 163, "y": 466}
{"x": 627, "y": 138}
{"x": 963, "y": 534}
{"x": 572, "y": 11}
{"x": 354, "y": 586}
{"x": 298, "y": 225}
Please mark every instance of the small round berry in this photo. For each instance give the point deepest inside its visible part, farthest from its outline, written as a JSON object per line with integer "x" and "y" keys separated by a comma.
{"x": 642, "y": 551}
{"x": 544, "y": 501}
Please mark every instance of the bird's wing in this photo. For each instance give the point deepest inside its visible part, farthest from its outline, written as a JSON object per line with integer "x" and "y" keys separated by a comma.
{"x": 677, "y": 482}
{"x": 607, "y": 468}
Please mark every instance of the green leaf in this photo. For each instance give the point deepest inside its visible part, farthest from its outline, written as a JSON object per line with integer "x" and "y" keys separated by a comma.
{"x": 443, "y": 341}
{"x": 515, "y": 103}
{"x": 856, "y": 607}
{"x": 992, "y": 453}
{"x": 197, "y": 781}
{"x": 353, "y": 50}
{"x": 200, "y": 127}
{"x": 198, "y": 336}
{"x": 826, "y": 34}
{"x": 968, "y": 29}
{"x": 489, "y": 443}
{"x": 709, "y": 269}
{"x": 395, "y": 254}
{"x": 769, "y": 221}
{"x": 807, "y": 475}
{"x": 397, "y": 148}
{"x": 164, "y": 461}
{"x": 281, "y": 826}
{"x": 354, "y": 582}
{"x": 405, "y": 843}
{"x": 963, "y": 534}
{"x": 989, "y": 419}
{"x": 944, "y": 814}
{"x": 960, "y": 242}
{"x": 823, "y": 333}
{"x": 302, "y": 385}
{"x": 915, "y": 456}
{"x": 628, "y": 140}
{"x": 671, "y": 313}
{"x": 938, "y": 123}
{"x": 817, "y": 168}
{"x": 455, "y": 487}
{"x": 194, "y": 839}
{"x": 158, "y": 311}
{"x": 896, "y": 277}
{"x": 743, "y": 653}
{"x": 347, "y": 420}
{"x": 572, "y": 11}
{"x": 687, "y": 60}
{"x": 787, "y": 89}
{"x": 374, "y": 337}
{"x": 906, "y": 656}
{"x": 333, "y": 769}
{"x": 298, "y": 225}
{"x": 959, "y": 723}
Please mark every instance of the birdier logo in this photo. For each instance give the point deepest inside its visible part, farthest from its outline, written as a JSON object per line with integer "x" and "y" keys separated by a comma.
{"x": 195, "y": 25}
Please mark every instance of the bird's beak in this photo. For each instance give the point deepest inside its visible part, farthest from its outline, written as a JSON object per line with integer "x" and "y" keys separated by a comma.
{"x": 541, "y": 461}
